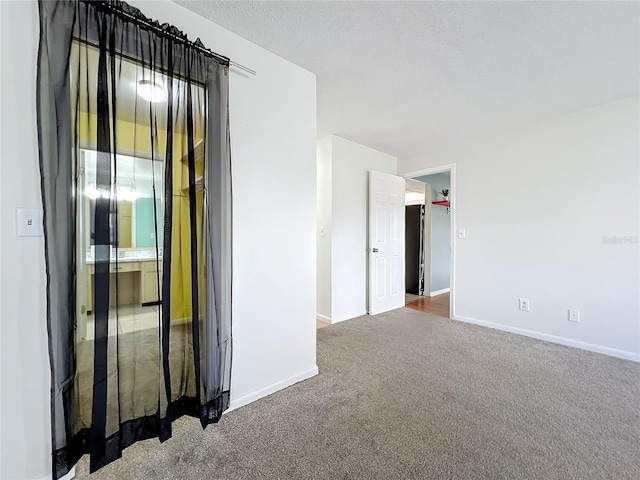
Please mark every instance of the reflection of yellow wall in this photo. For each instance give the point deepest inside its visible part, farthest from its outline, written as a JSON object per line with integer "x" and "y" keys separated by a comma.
{"x": 181, "y": 301}
{"x": 135, "y": 140}
{"x": 124, "y": 214}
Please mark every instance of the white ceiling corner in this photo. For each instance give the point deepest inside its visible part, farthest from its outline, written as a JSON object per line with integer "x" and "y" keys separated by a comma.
{"x": 405, "y": 77}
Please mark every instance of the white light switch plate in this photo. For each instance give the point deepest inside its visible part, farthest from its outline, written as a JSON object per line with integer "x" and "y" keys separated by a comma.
{"x": 461, "y": 233}
{"x": 29, "y": 222}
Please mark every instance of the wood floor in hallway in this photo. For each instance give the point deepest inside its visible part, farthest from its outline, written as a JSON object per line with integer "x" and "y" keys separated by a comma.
{"x": 438, "y": 305}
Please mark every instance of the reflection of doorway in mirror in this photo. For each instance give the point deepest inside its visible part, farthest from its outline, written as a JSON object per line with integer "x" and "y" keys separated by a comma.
{"x": 134, "y": 189}
{"x": 133, "y": 242}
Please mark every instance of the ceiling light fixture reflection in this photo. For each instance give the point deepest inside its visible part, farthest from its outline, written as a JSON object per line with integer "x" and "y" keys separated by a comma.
{"x": 151, "y": 91}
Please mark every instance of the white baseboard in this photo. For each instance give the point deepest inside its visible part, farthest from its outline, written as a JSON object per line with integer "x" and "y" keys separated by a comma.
{"x": 440, "y": 292}
{"x": 612, "y": 352}
{"x": 68, "y": 476}
{"x": 349, "y": 316}
{"x": 342, "y": 318}
{"x": 268, "y": 390}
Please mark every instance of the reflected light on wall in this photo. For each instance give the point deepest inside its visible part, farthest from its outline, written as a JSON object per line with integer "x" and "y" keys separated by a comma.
{"x": 413, "y": 197}
{"x": 127, "y": 194}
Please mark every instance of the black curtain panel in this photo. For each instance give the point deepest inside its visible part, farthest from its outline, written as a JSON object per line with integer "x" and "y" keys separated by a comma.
{"x": 136, "y": 188}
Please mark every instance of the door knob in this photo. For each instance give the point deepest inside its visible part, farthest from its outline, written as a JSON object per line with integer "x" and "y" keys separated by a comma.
{"x": 375, "y": 250}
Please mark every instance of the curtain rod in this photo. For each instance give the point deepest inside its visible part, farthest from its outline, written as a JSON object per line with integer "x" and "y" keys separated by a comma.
{"x": 241, "y": 67}
{"x": 137, "y": 61}
{"x": 144, "y": 22}
{"x": 161, "y": 69}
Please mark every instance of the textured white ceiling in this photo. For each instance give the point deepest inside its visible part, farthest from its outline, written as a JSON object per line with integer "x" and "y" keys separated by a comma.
{"x": 405, "y": 77}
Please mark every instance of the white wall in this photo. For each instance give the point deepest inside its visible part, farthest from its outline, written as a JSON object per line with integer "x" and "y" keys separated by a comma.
{"x": 350, "y": 164}
{"x": 537, "y": 203}
{"x": 323, "y": 259}
{"x": 25, "y": 443}
{"x": 274, "y": 173}
{"x": 413, "y": 198}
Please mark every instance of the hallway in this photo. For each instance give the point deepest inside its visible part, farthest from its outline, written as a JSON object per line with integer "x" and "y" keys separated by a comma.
{"x": 438, "y": 305}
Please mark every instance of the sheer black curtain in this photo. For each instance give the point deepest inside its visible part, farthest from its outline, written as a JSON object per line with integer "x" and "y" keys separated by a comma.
{"x": 136, "y": 188}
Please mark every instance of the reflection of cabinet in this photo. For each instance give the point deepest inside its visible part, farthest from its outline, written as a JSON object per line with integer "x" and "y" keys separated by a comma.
{"x": 149, "y": 278}
{"x": 137, "y": 282}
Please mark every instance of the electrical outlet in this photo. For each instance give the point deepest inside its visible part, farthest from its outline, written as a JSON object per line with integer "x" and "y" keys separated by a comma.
{"x": 523, "y": 304}
{"x": 574, "y": 315}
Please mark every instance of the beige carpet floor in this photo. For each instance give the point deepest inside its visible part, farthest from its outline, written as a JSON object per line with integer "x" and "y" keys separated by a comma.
{"x": 406, "y": 395}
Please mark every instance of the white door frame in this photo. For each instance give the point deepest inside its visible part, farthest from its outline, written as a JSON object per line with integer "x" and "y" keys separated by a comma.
{"x": 451, "y": 168}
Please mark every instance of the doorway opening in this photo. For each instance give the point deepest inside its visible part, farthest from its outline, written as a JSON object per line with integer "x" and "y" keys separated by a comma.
{"x": 429, "y": 245}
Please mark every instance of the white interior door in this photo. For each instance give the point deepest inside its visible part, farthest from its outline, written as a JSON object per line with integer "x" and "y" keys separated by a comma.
{"x": 386, "y": 242}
